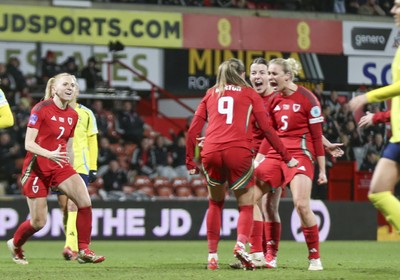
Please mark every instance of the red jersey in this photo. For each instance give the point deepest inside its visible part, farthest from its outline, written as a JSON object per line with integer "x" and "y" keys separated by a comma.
{"x": 55, "y": 127}
{"x": 297, "y": 119}
{"x": 258, "y": 134}
{"x": 229, "y": 122}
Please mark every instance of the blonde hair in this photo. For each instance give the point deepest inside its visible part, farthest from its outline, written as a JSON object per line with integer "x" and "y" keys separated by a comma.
{"x": 290, "y": 65}
{"x": 229, "y": 73}
{"x": 50, "y": 83}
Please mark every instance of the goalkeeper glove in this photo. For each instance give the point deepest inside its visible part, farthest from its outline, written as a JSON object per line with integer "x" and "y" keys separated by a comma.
{"x": 92, "y": 176}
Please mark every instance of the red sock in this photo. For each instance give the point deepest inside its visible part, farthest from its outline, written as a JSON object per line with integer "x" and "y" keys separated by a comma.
{"x": 245, "y": 223}
{"x": 256, "y": 237}
{"x": 84, "y": 227}
{"x": 272, "y": 237}
{"x": 23, "y": 233}
{"x": 311, "y": 236}
{"x": 213, "y": 220}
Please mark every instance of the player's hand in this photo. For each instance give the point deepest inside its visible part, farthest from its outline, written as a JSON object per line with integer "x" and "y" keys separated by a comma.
{"x": 334, "y": 149}
{"x": 92, "y": 176}
{"x": 322, "y": 178}
{"x": 292, "y": 163}
{"x": 58, "y": 157}
{"x": 366, "y": 120}
{"x": 358, "y": 102}
{"x": 200, "y": 141}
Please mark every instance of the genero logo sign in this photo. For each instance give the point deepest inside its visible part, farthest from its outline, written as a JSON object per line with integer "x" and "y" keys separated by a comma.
{"x": 97, "y": 27}
{"x": 374, "y": 39}
{"x": 365, "y": 38}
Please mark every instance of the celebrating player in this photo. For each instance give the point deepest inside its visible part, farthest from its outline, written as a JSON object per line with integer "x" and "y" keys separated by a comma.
{"x": 227, "y": 152}
{"x": 48, "y": 162}
{"x": 296, "y": 116}
{"x": 85, "y": 163}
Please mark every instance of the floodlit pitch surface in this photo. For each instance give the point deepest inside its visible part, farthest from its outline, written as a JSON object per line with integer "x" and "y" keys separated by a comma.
{"x": 187, "y": 259}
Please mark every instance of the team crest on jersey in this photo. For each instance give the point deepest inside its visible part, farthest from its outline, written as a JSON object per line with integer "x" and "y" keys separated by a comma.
{"x": 296, "y": 107}
{"x": 35, "y": 188}
{"x": 33, "y": 119}
{"x": 315, "y": 111}
{"x": 70, "y": 121}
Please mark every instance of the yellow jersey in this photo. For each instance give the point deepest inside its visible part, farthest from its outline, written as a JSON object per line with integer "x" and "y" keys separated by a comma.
{"x": 85, "y": 141}
{"x": 6, "y": 116}
{"x": 391, "y": 92}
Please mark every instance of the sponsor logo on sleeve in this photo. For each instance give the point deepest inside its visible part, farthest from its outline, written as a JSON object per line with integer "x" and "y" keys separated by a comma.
{"x": 315, "y": 111}
{"x": 33, "y": 119}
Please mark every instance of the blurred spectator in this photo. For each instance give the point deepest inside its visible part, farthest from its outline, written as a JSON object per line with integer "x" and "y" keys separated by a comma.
{"x": 343, "y": 114}
{"x": 370, "y": 161}
{"x": 7, "y": 82}
{"x": 164, "y": 160}
{"x": 129, "y": 124}
{"x": 350, "y": 128}
{"x": 371, "y": 8}
{"x": 347, "y": 149}
{"x": 386, "y": 6}
{"x": 333, "y": 102}
{"x": 92, "y": 74}
{"x": 179, "y": 157}
{"x": 144, "y": 159}
{"x": 101, "y": 117}
{"x": 49, "y": 67}
{"x": 13, "y": 69}
{"x": 106, "y": 155}
{"x": 115, "y": 177}
{"x": 330, "y": 127}
{"x": 9, "y": 153}
{"x": 22, "y": 114}
{"x": 70, "y": 66}
{"x": 353, "y": 6}
{"x": 378, "y": 143}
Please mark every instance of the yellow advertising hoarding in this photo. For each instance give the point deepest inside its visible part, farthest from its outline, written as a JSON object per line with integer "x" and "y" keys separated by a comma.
{"x": 90, "y": 26}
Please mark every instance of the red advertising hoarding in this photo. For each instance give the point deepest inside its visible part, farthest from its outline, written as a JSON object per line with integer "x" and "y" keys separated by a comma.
{"x": 272, "y": 34}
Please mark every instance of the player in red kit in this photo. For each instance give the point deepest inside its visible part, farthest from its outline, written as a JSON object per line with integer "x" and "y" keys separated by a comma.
{"x": 49, "y": 162}
{"x": 227, "y": 152}
{"x": 296, "y": 116}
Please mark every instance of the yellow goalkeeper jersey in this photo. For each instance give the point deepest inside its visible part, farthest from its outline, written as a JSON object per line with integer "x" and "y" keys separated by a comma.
{"x": 85, "y": 141}
{"x": 391, "y": 92}
{"x": 6, "y": 116}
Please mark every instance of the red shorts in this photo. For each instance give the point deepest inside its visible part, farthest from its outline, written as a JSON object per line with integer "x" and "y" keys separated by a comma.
{"x": 270, "y": 171}
{"x": 277, "y": 173}
{"x": 305, "y": 167}
{"x": 38, "y": 185}
{"x": 234, "y": 165}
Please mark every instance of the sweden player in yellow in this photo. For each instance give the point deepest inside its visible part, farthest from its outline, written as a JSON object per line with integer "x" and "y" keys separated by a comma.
{"x": 85, "y": 163}
{"x": 387, "y": 171}
{"x": 6, "y": 116}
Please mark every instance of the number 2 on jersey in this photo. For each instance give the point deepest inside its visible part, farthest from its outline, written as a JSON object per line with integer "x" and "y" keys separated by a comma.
{"x": 225, "y": 107}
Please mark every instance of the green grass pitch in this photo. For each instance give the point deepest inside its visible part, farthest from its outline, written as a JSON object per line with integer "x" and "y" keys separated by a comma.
{"x": 187, "y": 259}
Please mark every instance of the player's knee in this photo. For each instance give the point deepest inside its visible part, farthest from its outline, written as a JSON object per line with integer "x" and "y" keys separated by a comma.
{"x": 38, "y": 223}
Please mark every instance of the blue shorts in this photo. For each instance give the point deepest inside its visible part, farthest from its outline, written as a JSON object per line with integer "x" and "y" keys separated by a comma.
{"x": 83, "y": 176}
{"x": 392, "y": 151}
